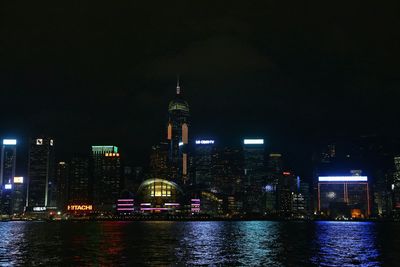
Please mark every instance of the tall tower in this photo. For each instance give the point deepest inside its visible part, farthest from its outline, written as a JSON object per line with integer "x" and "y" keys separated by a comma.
{"x": 41, "y": 174}
{"x": 178, "y": 135}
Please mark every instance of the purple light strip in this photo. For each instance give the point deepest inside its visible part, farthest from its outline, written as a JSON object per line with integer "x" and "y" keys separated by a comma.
{"x": 195, "y": 199}
{"x": 125, "y": 209}
{"x": 154, "y": 208}
{"x": 172, "y": 204}
{"x": 125, "y": 199}
{"x": 127, "y": 204}
{"x": 145, "y": 204}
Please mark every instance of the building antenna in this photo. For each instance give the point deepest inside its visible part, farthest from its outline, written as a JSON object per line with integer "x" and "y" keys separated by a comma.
{"x": 178, "y": 88}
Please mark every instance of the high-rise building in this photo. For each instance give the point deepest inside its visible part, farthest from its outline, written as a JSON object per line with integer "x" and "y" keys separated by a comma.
{"x": 254, "y": 174}
{"x": 227, "y": 171}
{"x": 18, "y": 195}
{"x": 62, "y": 178}
{"x": 159, "y": 166}
{"x": 41, "y": 191}
{"x": 301, "y": 198}
{"x": 7, "y": 173}
{"x": 346, "y": 196}
{"x": 396, "y": 184}
{"x": 275, "y": 163}
{"x": 178, "y": 136}
{"x": 287, "y": 185}
{"x": 79, "y": 178}
{"x": 274, "y": 172}
{"x": 203, "y": 155}
{"x": 106, "y": 177}
{"x": 382, "y": 195}
{"x": 8, "y": 161}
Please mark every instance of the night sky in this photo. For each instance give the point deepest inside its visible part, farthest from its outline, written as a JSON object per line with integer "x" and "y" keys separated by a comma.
{"x": 103, "y": 72}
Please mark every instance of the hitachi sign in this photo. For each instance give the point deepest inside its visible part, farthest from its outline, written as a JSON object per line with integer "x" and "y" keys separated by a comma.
{"x": 79, "y": 207}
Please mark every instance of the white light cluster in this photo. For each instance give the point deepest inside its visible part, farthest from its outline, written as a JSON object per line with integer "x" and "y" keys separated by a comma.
{"x": 9, "y": 142}
{"x": 253, "y": 141}
{"x": 343, "y": 179}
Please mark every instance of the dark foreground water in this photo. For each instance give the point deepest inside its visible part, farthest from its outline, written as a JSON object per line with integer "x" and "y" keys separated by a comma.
{"x": 199, "y": 243}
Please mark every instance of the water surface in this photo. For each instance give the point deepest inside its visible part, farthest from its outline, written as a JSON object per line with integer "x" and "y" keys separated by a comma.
{"x": 251, "y": 243}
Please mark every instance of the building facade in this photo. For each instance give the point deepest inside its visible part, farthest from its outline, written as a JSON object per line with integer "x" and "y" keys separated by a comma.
{"x": 107, "y": 177}
{"x": 344, "y": 196}
{"x": 42, "y": 190}
{"x": 7, "y": 174}
{"x": 254, "y": 174}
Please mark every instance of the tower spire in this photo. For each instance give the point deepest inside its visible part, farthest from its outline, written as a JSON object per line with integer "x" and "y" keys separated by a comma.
{"x": 178, "y": 88}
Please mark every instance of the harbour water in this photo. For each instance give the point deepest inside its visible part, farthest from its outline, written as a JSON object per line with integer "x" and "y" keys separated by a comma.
{"x": 234, "y": 243}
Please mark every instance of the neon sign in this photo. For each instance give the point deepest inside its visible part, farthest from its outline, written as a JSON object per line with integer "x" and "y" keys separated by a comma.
{"x": 18, "y": 180}
{"x": 79, "y": 207}
{"x": 204, "y": 142}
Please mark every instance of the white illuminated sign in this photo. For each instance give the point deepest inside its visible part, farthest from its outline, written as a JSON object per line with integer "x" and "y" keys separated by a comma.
{"x": 9, "y": 141}
{"x": 343, "y": 179}
{"x": 180, "y": 144}
{"x": 18, "y": 180}
{"x": 51, "y": 142}
{"x": 39, "y": 208}
{"x": 39, "y": 142}
{"x": 204, "y": 142}
{"x": 253, "y": 141}
{"x": 8, "y": 186}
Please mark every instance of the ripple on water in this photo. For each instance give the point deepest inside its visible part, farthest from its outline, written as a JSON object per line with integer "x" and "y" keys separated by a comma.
{"x": 252, "y": 243}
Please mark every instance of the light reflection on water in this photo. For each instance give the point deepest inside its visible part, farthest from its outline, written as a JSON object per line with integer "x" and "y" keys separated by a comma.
{"x": 354, "y": 243}
{"x": 253, "y": 243}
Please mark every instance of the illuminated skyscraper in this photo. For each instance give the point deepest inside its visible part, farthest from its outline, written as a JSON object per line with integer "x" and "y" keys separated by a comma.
{"x": 274, "y": 173}
{"x": 107, "y": 177}
{"x": 254, "y": 172}
{"x": 159, "y": 161}
{"x": 41, "y": 173}
{"x": 396, "y": 184}
{"x": 178, "y": 135}
{"x": 7, "y": 173}
{"x": 62, "y": 178}
{"x": 343, "y": 196}
{"x": 8, "y": 161}
{"x": 79, "y": 190}
{"x": 203, "y": 155}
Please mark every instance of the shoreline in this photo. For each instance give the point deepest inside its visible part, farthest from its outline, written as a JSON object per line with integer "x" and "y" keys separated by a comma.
{"x": 160, "y": 219}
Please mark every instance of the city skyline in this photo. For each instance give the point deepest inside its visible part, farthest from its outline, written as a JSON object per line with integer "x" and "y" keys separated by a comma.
{"x": 214, "y": 179}
{"x": 220, "y": 133}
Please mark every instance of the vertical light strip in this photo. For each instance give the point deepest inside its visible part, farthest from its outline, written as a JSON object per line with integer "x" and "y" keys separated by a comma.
{"x": 185, "y": 135}
{"x": 169, "y": 131}
{"x": 319, "y": 198}
{"x": 184, "y": 164}
{"x": 368, "y": 211}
